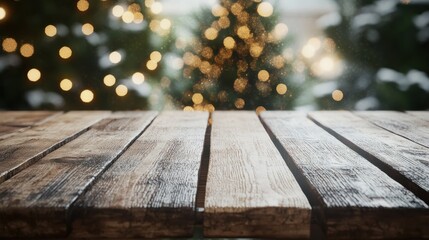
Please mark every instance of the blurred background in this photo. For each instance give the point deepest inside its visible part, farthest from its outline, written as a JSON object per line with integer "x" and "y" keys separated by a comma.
{"x": 214, "y": 54}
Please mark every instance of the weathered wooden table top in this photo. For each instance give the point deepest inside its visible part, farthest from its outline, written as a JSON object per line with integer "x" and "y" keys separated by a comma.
{"x": 290, "y": 175}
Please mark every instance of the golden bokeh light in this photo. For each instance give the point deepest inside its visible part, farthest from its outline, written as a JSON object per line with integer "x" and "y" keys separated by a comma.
{"x": 138, "y": 17}
{"x": 9, "y": 45}
{"x": 87, "y": 29}
{"x": 280, "y": 31}
{"x": 2, "y": 13}
{"x": 138, "y": 78}
{"x": 148, "y": 3}
{"x": 165, "y": 24}
{"x": 156, "y": 7}
{"x": 65, "y": 52}
{"x": 188, "y": 109}
{"x": 109, "y": 80}
{"x": 337, "y": 95}
{"x": 34, "y": 75}
{"x": 327, "y": 64}
{"x": 121, "y": 90}
{"x": 281, "y": 88}
{"x": 117, "y": 11}
{"x": 243, "y": 32}
{"x": 86, "y": 96}
{"x": 197, "y": 98}
{"x": 256, "y": 50}
{"x": 27, "y": 50}
{"x": 224, "y": 22}
{"x": 265, "y": 9}
{"x": 128, "y": 17}
{"x": 229, "y": 42}
{"x": 263, "y": 75}
{"x": 151, "y": 65}
{"x": 50, "y": 30}
{"x": 210, "y": 33}
{"x": 66, "y": 84}
{"x": 82, "y": 5}
{"x": 260, "y": 109}
{"x": 219, "y": 11}
{"x": 239, "y": 103}
{"x": 155, "y": 56}
{"x": 115, "y": 57}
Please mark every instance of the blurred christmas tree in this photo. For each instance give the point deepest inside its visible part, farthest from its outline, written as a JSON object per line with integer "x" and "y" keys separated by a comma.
{"x": 80, "y": 54}
{"x": 385, "y": 45}
{"x": 235, "y": 60}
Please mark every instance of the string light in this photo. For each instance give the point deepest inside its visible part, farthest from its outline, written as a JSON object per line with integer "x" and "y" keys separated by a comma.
{"x": 156, "y": 7}
{"x": 281, "y": 88}
{"x": 265, "y": 9}
{"x": 34, "y": 75}
{"x": 337, "y": 95}
{"x": 121, "y": 90}
{"x": 211, "y": 33}
{"x": 9, "y": 45}
{"x": 115, "y": 57}
{"x": 82, "y": 5}
{"x": 128, "y": 17}
{"x": 155, "y": 56}
{"x": 86, "y": 96}
{"x": 109, "y": 80}
{"x": 65, "y": 52}
{"x": 197, "y": 98}
{"x": 27, "y": 50}
{"x": 50, "y": 30}
{"x": 87, "y": 29}
{"x": 66, "y": 84}
{"x": 151, "y": 65}
{"x": 117, "y": 11}
{"x": 165, "y": 24}
{"x": 229, "y": 42}
{"x": 138, "y": 78}
{"x": 2, "y": 13}
{"x": 263, "y": 75}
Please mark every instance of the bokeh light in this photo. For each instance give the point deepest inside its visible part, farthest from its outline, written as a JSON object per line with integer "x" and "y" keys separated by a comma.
{"x": 65, "y": 52}
{"x": 265, "y": 9}
{"x": 138, "y": 78}
{"x": 87, "y": 96}
{"x": 9, "y": 45}
{"x": 27, "y": 50}
{"x": 121, "y": 90}
{"x": 50, "y": 30}
{"x": 115, "y": 57}
{"x": 66, "y": 84}
{"x": 109, "y": 80}
{"x": 34, "y": 75}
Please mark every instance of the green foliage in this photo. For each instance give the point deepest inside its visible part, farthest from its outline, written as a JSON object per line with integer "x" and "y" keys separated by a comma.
{"x": 385, "y": 45}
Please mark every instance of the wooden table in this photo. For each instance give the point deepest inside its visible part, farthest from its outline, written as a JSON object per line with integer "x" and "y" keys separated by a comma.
{"x": 290, "y": 175}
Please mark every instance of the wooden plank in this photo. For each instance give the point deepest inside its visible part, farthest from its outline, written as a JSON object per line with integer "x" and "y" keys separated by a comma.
{"x": 150, "y": 190}
{"x": 35, "y": 202}
{"x": 12, "y": 122}
{"x": 406, "y": 125}
{"x": 405, "y": 161}
{"x": 24, "y": 149}
{"x": 424, "y": 115}
{"x": 357, "y": 199}
{"x": 250, "y": 191}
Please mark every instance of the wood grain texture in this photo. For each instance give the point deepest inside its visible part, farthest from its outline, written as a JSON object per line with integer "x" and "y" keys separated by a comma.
{"x": 250, "y": 191}
{"x": 35, "y": 202}
{"x": 150, "y": 190}
{"x": 406, "y": 125}
{"x": 358, "y": 200}
{"x": 405, "y": 161}
{"x": 12, "y": 122}
{"x": 24, "y": 149}
{"x": 424, "y": 115}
